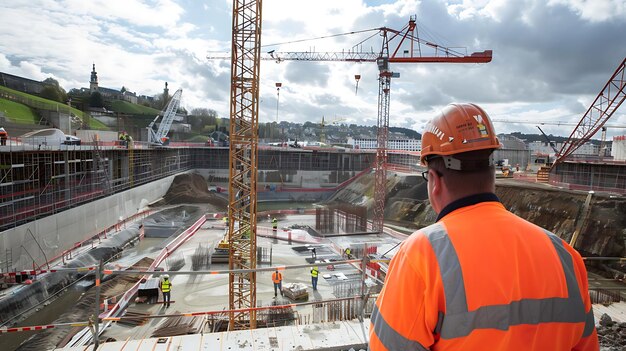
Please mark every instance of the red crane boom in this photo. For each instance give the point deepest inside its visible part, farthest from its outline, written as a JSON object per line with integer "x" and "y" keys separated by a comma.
{"x": 602, "y": 108}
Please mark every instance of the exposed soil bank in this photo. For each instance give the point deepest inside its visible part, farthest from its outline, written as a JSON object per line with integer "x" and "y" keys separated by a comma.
{"x": 602, "y": 231}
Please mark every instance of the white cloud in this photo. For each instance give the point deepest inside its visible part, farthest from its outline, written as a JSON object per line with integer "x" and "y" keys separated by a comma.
{"x": 546, "y": 62}
{"x": 595, "y": 10}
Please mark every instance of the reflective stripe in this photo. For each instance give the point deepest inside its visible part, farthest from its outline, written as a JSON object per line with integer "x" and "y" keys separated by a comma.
{"x": 389, "y": 337}
{"x": 590, "y": 324}
{"x": 450, "y": 267}
{"x": 459, "y": 322}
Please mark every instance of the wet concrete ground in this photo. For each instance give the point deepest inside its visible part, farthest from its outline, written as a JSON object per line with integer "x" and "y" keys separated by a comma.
{"x": 196, "y": 293}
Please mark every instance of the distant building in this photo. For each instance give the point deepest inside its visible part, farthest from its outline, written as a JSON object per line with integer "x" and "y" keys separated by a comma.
{"x": 107, "y": 93}
{"x": 24, "y": 85}
{"x": 514, "y": 151}
{"x": 542, "y": 148}
{"x": 112, "y": 94}
{"x": 93, "y": 81}
{"x": 393, "y": 144}
{"x": 619, "y": 148}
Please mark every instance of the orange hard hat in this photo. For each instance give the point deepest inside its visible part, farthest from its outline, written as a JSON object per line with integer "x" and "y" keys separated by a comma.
{"x": 456, "y": 129}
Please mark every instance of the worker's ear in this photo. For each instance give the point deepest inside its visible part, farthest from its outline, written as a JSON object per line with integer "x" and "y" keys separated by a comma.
{"x": 437, "y": 189}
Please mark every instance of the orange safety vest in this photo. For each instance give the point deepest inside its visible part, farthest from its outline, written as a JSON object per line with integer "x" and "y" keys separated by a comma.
{"x": 277, "y": 277}
{"x": 482, "y": 278}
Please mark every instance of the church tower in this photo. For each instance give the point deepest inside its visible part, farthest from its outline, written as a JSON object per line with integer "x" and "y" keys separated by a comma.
{"x": 93, "y": 82}
{"x": 166, "y": 95}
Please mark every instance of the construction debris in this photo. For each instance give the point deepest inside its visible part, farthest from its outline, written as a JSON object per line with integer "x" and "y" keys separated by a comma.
{"x": 179, "y": 326}
{"x": 277, "y": 317}
{"x": 612, "y": 335}
{"x": 134, "y": 318}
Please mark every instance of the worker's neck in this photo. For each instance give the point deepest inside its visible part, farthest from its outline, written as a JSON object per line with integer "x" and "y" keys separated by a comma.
{"x": 448, "y": 197}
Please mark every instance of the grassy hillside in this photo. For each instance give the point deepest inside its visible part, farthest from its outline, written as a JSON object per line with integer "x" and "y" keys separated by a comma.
{"x": 18, "y": 113}
{"x": 37, "y": 102}
{"x": 133, "y": 109}
{"x": 137, "y": 115}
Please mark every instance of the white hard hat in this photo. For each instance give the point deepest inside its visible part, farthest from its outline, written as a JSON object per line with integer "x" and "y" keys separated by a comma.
{"x": 166, "y": 276}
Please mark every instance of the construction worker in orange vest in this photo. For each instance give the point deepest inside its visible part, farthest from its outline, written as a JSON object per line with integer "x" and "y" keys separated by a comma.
{"x": 277, "y": 278}
{"x": 480, "y": 278}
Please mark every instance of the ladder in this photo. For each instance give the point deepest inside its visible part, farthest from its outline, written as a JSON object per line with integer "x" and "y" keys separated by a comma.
{"x": 131, "y": 165}
{"x": 101, "y": 169}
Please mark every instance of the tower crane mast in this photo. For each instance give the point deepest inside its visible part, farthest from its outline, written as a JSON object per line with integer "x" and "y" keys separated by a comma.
{"x": 242, "y": 186}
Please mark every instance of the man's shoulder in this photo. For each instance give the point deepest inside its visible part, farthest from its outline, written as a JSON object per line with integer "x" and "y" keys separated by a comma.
{"x": 421, "y": 238}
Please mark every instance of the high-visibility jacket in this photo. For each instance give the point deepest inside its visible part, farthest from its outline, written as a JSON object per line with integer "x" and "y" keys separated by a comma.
{"x": 277, "y": 277}
{"x": 274, "y": 223}
{"x": 314, "y": 272}
{"x": 482, "y": 278}
{"x": 166, "y": 286}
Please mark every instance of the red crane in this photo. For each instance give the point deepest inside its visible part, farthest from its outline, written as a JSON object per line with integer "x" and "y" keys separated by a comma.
{"x": 602, "y": 108}
{"x": 411, "y": 45}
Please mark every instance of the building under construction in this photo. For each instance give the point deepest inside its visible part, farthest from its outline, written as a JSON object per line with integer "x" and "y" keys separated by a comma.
{"x": 56, "y": 204}
{"x": 90, "y": 230}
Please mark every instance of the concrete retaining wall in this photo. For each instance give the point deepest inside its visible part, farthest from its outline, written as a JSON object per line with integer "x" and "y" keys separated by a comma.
{"x": 296, "y": 179}
{"x": 48, "y": 237}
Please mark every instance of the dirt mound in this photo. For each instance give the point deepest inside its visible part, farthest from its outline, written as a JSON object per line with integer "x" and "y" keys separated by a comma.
{"x": 193, "y": 188}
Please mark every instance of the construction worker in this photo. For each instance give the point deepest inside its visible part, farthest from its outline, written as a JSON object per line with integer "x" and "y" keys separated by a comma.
{"x": 277, "y": 278}
{"x": 348, "y": 253}
{"x": 3, "y": 136}
{"x": 274, "y": 225}
{"x": 314, "y": 274}
{"x": 464, "y": 283}
{"x": 166, "y": 286}
{"x": 122, "y": 139}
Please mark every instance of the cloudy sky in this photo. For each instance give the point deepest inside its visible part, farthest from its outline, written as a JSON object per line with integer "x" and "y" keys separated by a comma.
{"x": 550, "y": 57}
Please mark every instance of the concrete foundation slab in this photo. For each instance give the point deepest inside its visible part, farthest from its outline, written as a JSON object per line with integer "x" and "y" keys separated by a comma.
{"x": 320, "y": 336}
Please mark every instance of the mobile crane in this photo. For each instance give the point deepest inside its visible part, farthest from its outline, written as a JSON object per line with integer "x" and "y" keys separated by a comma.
{"x": 160, "y": 136}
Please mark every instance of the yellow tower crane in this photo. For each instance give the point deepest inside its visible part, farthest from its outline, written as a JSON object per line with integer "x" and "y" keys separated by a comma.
{"x": 242, "y": 194}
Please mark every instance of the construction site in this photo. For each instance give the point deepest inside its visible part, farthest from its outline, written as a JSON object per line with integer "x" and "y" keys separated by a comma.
{"x": 89, "y": 232}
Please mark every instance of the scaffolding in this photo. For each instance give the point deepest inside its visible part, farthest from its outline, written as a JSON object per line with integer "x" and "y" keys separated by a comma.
{"x": 341, "y": 218}
{"x": 591, "y": 175}
{"x": 39, "y": 183}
